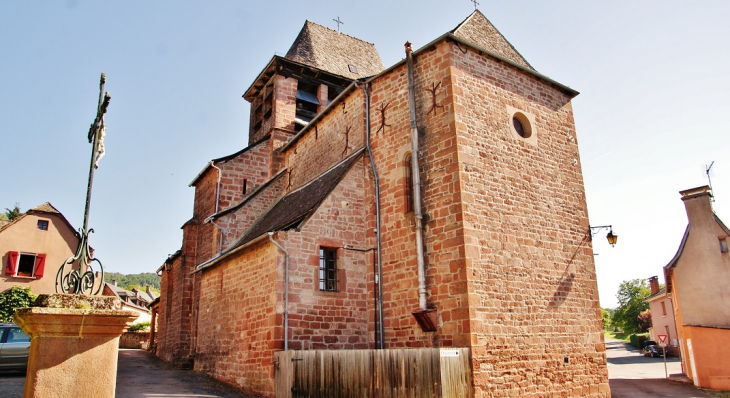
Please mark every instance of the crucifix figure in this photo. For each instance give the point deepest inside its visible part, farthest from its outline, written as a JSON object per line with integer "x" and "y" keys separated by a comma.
{"x": 83, "y": 279}
{"x": 475, "y": 3}
{"x": 338, "y": 22}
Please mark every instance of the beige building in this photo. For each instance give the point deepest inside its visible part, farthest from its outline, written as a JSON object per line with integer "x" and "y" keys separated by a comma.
{"x": 662, "y": 316}
{"x": 135, "y": 300}
{"x": 33, "y": 247}
{"x": 697, "y": 283}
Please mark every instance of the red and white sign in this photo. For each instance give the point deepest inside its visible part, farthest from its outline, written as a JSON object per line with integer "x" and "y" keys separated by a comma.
{"x": 662, "y": 339}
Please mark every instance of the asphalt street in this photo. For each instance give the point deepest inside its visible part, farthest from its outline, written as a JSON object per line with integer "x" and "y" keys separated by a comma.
{"x": 141, "y": 374}
{"x": 632, "y": 375}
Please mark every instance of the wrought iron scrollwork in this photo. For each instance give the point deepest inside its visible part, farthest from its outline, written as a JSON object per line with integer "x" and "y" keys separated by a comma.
{"x": 82, "y": 279}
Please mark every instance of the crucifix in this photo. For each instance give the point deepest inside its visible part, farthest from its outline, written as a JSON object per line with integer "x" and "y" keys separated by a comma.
{"x": 476, "y": 3}
{"x": 83, "y": 279}
{"x": 338, "y": 22}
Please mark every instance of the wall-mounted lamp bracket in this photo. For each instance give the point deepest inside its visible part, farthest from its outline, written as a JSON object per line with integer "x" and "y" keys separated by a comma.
{"x": 612, "y": 239}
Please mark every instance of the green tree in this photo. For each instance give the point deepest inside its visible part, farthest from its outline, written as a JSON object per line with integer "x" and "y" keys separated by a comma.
{"x": 606, "y": 318}
{"x": 631, "y": 295}
{"x": 11, "y": 215}
{"x": 15, "y": 297}
{"x": 139, "y": 281}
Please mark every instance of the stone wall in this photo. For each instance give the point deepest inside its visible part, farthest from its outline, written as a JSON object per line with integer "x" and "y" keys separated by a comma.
{"x": 204, "y": 206}
{"x": 252, "y": 165}
{"x": 133, "y": 339}
{"x": 239, "y": 318}
{"x": 239, "y": 221}
{"x": 324, "y": 319}
{"x": 337, "y": 136}
{"x": 445, "y": 271}
{"x": 533, "y": 303}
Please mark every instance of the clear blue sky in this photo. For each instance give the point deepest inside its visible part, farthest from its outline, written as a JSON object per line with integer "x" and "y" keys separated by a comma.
{"x": 653, "y": 109}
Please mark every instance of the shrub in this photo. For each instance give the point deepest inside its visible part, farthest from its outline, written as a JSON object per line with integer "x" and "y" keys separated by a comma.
{"x": 637, "y": 340}
{"x": 15, "y": 297}
{"x": 140, "y": 327}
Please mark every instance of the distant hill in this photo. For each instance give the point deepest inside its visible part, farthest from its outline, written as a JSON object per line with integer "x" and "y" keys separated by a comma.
{"x": 134, "y": 280}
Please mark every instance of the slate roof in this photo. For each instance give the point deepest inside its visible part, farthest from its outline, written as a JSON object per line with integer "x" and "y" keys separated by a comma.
{"x": 333, "y": 52}
{"x": 293, "y": 208}
{"x": 478, "y": 30}
{"x": 129, "y": 298}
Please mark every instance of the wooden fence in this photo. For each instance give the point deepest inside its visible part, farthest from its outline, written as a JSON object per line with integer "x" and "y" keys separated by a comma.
{"x": 413, "y": 373}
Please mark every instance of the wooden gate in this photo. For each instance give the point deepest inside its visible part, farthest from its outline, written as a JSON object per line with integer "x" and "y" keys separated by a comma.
{"x": 415, "y": 373}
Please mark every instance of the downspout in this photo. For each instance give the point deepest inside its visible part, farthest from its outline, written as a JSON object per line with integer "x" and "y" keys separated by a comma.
{"x": 416, "y": 180}
{"x": 379, "y": 276}
{"x": 217, "y": 200}
{"x": 223, "y": 232}
{"x": 286, "y": 291}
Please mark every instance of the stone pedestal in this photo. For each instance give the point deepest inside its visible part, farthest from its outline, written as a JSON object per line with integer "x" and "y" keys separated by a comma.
{"x": 74, "y": 345}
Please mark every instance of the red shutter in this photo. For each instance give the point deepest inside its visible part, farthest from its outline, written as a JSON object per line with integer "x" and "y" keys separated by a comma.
{"x": 40, "y": 264}
{"x": 12, "y": 263}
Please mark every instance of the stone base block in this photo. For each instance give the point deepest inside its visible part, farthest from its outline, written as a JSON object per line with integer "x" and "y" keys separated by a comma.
{"x": 73, "y": 351}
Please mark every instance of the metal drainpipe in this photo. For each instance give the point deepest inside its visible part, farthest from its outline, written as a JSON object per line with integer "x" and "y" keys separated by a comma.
{"x": 217, "y": 200}
{"x": 286, "y": 291}
{"x": 381, "y": 328}
{"x": 223, "y": 232}
{"x": 416, "y": 180}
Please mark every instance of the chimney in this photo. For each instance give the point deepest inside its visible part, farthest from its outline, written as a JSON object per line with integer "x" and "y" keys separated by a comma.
{"x": 654, "y": 284}
{"x": 698, "y": 206}
{"x": 114, "y": 281}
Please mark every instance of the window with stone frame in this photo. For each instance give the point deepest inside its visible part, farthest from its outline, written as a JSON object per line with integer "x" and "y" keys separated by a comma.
{"x": 327, "y": 269}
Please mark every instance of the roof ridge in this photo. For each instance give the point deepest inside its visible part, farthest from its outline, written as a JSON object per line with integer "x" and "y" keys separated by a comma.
{"x": 477, "y": 12}
{"x": 466, "y": 19}
{"x": 337, "y": 31}
{"x": 42, "y": 208}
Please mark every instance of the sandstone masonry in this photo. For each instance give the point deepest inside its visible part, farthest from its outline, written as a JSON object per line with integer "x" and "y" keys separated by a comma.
{"x": 509, "y": 264}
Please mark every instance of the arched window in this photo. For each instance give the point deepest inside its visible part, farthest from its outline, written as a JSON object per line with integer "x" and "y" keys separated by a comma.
{"x": 408, "y": 181}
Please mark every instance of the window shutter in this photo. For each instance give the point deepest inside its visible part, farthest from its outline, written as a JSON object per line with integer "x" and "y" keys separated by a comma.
{"x": 12, "y": 263}
{"x": 40, "y": 264}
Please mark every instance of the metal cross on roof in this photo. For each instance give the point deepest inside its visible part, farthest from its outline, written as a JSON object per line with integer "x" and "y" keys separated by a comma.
{"x": 338, "y": 22}
{"x": 476, "y": 3}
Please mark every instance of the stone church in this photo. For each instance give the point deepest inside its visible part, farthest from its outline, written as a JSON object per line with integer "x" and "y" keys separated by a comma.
{"x": 438, "y": 202}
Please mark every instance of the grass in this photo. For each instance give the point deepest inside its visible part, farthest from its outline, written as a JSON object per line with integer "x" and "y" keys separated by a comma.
{"x": 615, "y": 335}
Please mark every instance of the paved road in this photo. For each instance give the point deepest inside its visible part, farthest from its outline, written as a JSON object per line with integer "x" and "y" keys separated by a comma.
{"x": 632, "y": 375}
{"x": 141, "y": 375}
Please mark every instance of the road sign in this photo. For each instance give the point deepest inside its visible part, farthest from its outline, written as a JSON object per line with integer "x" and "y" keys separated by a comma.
{"x": 662, "y": 339}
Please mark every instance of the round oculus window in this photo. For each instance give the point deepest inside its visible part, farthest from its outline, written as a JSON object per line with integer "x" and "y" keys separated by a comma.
{"x": 518, "y": 127}
{"x": 521, "y": 125}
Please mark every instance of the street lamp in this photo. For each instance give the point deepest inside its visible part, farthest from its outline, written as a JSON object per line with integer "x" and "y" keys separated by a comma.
{"x": 610, "y": 236}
